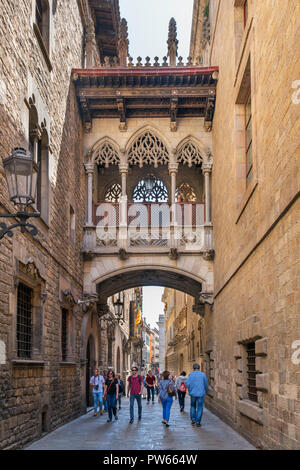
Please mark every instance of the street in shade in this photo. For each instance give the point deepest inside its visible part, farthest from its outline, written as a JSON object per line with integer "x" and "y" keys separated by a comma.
{"x": 94, "y": 433}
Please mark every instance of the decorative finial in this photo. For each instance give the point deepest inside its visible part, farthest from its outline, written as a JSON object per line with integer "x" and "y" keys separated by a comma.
{"x": 123, "y": 43}
{"x": 172, "y": 42}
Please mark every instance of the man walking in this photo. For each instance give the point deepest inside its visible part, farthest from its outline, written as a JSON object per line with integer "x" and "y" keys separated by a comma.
{"x": 121, "y": 390}
{"x": 150, "y": 384}
{"x": 135, "y": 390}
{"x": 96, "y": 383}
{"x": 197, "y": 386}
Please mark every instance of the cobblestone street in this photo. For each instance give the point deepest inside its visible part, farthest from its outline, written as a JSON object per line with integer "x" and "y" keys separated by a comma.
{"x": 94, "y": 433}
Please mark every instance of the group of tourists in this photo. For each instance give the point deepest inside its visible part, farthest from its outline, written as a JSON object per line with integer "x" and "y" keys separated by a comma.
{"x": 108, "y": 390}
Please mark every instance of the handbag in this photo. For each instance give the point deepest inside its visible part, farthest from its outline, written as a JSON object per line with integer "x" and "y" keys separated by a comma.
{"x": 171, "y": 390}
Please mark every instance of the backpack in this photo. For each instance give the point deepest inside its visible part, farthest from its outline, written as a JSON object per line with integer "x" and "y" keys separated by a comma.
{"x": 182, "y": 387}
{"x": 171, "y": 389}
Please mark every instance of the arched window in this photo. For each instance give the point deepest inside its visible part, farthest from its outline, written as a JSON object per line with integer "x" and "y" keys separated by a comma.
{"x": 42, "y": 20}
{"x": 148, "y": 149}
{"x": 185, "y": 193}
{"x": 150, "y": 189}
{"x": 113, "y": 193}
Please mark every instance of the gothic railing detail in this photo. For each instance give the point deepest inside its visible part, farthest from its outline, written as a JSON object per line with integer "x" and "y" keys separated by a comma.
{"x": 136, "y": 226}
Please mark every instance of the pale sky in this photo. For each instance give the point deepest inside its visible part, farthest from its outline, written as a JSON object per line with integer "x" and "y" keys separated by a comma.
{"x": 148, "y": 25}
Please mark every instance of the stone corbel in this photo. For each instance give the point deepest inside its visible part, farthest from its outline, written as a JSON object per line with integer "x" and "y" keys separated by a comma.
{"x": 173, "y": 254}
{"x": 209, "y": 255}
{"x": 68, "y": 297}
{"x": 206, "y": 298}
{"x": 90, "y": 302}
{"x": 122, "y": 113}
{"x": 123, "y": 255}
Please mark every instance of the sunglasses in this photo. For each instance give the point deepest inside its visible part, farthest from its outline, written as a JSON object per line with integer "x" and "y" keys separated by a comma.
{"x": 133, "y": 370}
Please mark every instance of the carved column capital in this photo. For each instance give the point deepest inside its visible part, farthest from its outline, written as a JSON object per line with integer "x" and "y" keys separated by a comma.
{"x": 89, "y": 168}
{"x": 173, "y": 167}
{"x": 207, "y": 166}
{"x": 123, "y": 168}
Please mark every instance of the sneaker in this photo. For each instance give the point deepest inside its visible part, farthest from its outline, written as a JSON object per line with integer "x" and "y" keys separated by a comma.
{"x": 116, "y": 418}
{"x": 101, "y": 412}
{"x": 198, "y": 425}
{"x": 131, "y": 421}
{"x": 167, "y": 425}
{"x": 193, "y": 423}
{"x": 109, "y": 421}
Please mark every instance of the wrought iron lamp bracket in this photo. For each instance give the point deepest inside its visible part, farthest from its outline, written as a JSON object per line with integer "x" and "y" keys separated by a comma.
{"x": 22, "y": 218}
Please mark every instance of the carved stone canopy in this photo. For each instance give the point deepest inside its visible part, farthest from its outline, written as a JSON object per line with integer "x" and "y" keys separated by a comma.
{"x": 68, "y": 297}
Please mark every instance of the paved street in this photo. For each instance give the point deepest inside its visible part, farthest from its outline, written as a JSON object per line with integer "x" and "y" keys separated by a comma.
{"x": 94, "y": 433}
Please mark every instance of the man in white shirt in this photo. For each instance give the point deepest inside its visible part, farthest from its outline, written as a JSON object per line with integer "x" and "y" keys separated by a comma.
{"x": 96, "y": 383}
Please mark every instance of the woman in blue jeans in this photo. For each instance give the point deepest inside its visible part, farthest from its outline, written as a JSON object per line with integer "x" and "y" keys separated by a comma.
{"x": 165, "y": 386}
{"x": 111, "y": 395}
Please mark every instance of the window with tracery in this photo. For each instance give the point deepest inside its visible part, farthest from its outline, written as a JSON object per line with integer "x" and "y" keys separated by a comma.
{"x": 157, "y": 193}
{"x": 148, "y": 149}
{"x": 113, "y": 193}
{"x": 189, "y": 155}
{"x": 107, "y": 155}
{"x": 185, "y": 193}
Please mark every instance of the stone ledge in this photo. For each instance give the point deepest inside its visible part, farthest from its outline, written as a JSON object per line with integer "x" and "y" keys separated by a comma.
{"x": 251, "y": 410}
{"x": 262, "y": 382}
{"x": 67, "y": 363}
{"x": 261, "y": 347}
{"x": 27, "y": 362}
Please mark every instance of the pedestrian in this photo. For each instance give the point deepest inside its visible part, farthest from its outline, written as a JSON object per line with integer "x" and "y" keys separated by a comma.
{"x": 105, "y": 401}
{"x": 97, "y": 381}
{"x": 111, "y": 395}
{"x": 150, "y": 384}
{"x": 181, "y": 389}
{"x": 167, "y": 391}
{"x": 197, "y": 386}
{"x": 121, "y": 390}
{"x": 135, "y": 390}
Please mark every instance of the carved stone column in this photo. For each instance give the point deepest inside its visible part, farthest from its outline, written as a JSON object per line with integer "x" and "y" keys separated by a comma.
{"x": 89, "y": 168}
{"x": 35, "y": 135}
{"x": 123, "y": 168}
{"x": 206, "y": 169}
{"x": 123, "y": 43}
{"x": 172, "y": 42}
{"x": 173, "y": 169}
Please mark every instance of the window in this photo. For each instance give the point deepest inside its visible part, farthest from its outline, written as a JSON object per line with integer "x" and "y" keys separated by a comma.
{"x": 245, "y": 12}
{"x": 150, "y": 189}
{"x": 64, "y": 334}
{"x": 251, "y": 372}
{"x": 185, "y": 193}
{"x": 248, "y": 139}
{"x": 42, "y": 20}
{"x": 113, "y": 193}
{"x": 72, "y": 225}
{"x": 24, "y": 321}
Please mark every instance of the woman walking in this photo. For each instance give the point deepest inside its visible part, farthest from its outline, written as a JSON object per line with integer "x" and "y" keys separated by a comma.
{"x": 111, "y": 395}
{"x": 166, "y": 392}
{"x": 181, "y": 389}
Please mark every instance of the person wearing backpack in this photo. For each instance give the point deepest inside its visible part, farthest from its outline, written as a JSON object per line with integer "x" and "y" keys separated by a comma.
{"x": 166, "y": 392}
{"x": 135, "y": 390}
{"x": 121, "y": 390}
{"x": 181, "y": 389}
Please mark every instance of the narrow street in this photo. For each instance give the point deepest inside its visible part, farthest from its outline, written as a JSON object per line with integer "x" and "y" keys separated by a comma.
{"x": 94, "y": 433}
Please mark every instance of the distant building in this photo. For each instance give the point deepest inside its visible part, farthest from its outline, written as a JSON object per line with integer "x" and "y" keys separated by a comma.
{"x": 161, "y": 326}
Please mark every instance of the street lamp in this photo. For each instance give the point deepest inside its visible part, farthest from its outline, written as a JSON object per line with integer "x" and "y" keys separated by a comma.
{"x": 119, "y": 309}
{"x": 21, "y": 175}
{"x": 149, "y": 182}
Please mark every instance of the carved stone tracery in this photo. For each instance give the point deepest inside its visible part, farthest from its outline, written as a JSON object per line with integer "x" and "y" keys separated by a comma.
{"x": 148, "y": 149}
{"x": 107, "y": 155}
{"x": 189, "y": 154}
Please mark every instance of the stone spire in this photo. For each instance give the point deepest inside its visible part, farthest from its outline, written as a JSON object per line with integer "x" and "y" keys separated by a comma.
{"x": 172, "y": 42}
{"x": 123, "y": 43}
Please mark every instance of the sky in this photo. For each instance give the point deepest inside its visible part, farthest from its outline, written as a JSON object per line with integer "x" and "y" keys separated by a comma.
{"x": 148, "y": 25}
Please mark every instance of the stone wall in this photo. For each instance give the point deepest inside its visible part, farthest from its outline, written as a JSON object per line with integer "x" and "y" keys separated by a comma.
{"x": 26, "y": 390}
{"x": 256, "y": 229}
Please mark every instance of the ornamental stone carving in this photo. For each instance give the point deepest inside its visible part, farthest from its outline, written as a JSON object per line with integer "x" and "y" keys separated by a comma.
{"x": 107, "y": 155}
{"x": 148, "y": 149}
{"x": 189, "y": 154}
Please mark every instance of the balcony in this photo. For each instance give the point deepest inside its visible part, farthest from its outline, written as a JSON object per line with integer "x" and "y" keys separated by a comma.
{"x": 148, "y": 227}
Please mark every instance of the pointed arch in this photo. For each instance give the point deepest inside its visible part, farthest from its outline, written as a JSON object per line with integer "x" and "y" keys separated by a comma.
{"x": 191, "y": 151}
{"x": 106, "y": 152}
{"x": 147, "y": 146}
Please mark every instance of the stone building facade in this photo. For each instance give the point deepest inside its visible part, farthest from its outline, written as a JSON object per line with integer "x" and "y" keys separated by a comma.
{"x": 184, "y": 334}
{"x": 253, "y": 329}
